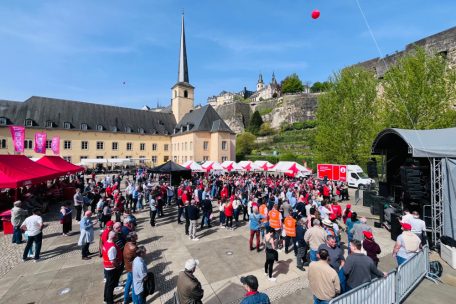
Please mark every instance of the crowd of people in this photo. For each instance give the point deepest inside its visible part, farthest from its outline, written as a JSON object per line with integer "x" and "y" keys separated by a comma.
{"x": 284, "y": 215}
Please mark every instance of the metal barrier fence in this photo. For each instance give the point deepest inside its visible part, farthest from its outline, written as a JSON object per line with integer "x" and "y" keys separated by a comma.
{"x": 392, "y": 289}
{"x": 378, "y": 291}
{"x": 411, "y": 273}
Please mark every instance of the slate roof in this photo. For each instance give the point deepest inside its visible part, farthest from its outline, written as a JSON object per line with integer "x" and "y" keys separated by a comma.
{"x": 41, "y": 110}
{"x": 202, "y": 119}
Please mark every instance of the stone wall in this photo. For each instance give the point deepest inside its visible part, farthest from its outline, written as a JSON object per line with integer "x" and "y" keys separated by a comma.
{"x": 443, "y": 43}
{"x": 236, "y": 115}
{"x": 293, "y": 108}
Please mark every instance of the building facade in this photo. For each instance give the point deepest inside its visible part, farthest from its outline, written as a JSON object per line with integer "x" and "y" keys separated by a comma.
{"x": 91, "y": 131}
{"x": 266, "y": 91}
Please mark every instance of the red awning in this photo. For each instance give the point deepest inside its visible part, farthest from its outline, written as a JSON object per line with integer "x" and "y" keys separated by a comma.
{"x": 18, "y": 170}
{"x": 59, "y": 164}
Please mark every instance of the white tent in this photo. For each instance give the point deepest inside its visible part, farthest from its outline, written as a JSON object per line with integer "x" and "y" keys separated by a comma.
{"x": 230, "y": 165}
{"x": 87, "y": 161}
{"x": 263, "y": 165}
{"x": 248, "y": 165}
{"x": 292, "y": 168}
{"x": 194, "y": 166}
{"x": 210, "y": 166}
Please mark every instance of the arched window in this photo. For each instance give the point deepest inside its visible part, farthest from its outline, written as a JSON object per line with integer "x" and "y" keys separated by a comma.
{"x": 186, "y": 94}
{"x": 175, "y": 93}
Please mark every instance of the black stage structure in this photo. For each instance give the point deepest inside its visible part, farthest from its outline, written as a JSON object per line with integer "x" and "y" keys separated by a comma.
{"x": 419, "y": 172}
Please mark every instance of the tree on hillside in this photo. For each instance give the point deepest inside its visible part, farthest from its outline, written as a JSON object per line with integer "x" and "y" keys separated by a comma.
{"x": 419, "y": 92}
{"x": 255, "y": 123}
{"x": 347, "y": 117}
{"x": 245, "y": 142}
{"x": 292, "y": 84}
{"x": 318, "y": 87}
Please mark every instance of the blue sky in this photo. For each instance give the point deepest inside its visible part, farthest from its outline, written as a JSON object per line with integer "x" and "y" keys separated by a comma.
{"x": 86, "y": 49}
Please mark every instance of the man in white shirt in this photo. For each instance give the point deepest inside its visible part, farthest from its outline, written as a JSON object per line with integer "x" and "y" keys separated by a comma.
{"x": 34, "y": 225}
{"x": 418, "y": 226}
{"x": 407, "y": 217}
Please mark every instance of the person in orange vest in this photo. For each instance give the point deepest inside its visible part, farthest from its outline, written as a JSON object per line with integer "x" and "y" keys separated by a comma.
{"x": 275, "y": 220}
{"x": 263, "y": 210}
{"x": 289, "y": 225}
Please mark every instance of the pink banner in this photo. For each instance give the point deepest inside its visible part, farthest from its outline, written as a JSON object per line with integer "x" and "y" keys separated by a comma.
{"x": 40, "y": 143}
{"x": 18, "y": 135}
{"x": 55, "y": 145}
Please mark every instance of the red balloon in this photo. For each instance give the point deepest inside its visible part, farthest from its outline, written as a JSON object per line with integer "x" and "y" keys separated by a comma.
{"x": 315, "y": 14}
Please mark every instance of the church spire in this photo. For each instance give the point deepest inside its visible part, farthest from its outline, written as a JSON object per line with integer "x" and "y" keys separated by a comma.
{"x": 183, "y": 68}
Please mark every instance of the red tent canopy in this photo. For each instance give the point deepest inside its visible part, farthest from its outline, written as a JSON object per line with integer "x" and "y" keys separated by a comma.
{"x": 59, "y": 164}
{"x": 18, "y": 170}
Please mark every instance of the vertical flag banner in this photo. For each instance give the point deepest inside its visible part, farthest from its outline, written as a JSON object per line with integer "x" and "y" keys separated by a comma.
{"x": 18, "y": 135}
{"x": 55, "y": 145}
{"x": 40, "y": 143}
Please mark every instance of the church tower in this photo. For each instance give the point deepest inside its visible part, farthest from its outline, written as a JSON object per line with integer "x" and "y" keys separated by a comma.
{"x": 260, "y": 84}
{"x": 182, "y": 92}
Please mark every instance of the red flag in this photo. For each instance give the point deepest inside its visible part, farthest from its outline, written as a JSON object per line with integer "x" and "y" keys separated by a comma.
{"x": 40, "y": 143}
{"x": 55, "y": 145}
{"x": 18, "y": 135}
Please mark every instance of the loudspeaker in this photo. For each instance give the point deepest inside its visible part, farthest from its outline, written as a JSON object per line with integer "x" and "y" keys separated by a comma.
{"x": 383, "y": 189}
{"x": 376, "y": 207}
{"x": 372, "y": 168}
{"x": 396, "y": 229}
{"x": 367, "y": 198}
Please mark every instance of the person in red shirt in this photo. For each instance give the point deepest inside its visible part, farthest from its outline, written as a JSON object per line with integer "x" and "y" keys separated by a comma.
{"x": 347, "y": 213}
{"x": 229, "y": 211}
{"x": 336, "y": 209}
{"x": 105, "y": 233}
{"x": 224, "y": 193}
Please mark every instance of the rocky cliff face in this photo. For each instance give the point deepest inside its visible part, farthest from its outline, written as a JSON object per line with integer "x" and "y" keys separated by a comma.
{"x": 236, "y": 115}
{"x": 288, "y": 108}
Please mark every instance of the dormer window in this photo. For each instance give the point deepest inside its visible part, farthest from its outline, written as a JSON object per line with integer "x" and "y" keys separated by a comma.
{"x": 100, "y": 128}
{"x": 67, "y": 125}
{"x": 28, "y": 123}
{"x": 84, "y": 127}
{"x": 182, "y": 128}
{"x": 49, "y": 124}
{"x": 140, "y": 130}
{"x": 3, "y": 121}
{"x": 128, "y": 129}
{"x": 115, "y": 129}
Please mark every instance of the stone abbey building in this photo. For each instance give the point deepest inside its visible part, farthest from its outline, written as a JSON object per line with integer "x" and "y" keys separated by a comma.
{"x": 90, "y": 131}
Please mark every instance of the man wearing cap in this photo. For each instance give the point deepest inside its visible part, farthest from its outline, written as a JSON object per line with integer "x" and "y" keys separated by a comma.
{"x": 252, "y": 296}
{"x": 18, "y": 216}
{"x": 358, "y": 228}
{"x": 189, "y": 289}
{"x": 407, "y": 244}
{"x": 371, "y": 247}
{"x": 315, "y": 236}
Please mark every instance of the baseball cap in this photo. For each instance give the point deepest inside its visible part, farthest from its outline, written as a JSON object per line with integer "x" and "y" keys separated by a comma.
{"x": 190, "y": 264}
{"x": 109, "y": 223}
{"x": 250, "y": 281}
{"x": 406, "y": 226}
{"x": 349, "y": 206}
{"x": 368, "y": 234}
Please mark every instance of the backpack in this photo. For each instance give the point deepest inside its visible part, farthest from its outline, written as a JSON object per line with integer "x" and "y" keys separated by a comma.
{"x": 435, "y": 268}
{"x": 149, "y": 284}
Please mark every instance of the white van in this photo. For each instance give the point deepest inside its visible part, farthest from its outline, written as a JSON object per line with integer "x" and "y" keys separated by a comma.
{"x": 356, "y": 178}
